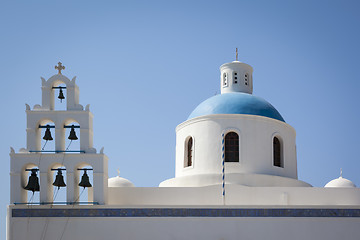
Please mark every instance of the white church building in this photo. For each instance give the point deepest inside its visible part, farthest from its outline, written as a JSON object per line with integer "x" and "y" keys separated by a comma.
{"x": 236, "y": 177}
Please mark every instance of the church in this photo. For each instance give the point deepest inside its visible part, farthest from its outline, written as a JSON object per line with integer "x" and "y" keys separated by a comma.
{"x": 235, "y": 176}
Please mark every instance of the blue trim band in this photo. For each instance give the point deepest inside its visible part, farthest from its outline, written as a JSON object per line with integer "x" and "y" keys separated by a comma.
{"x": 185, "y": 212}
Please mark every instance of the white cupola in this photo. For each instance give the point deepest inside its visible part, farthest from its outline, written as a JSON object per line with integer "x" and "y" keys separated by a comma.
{"x": 236, "y": 77}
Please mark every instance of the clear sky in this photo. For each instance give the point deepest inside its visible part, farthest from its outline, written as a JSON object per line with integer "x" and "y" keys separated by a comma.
{"x": 143, "y": 66}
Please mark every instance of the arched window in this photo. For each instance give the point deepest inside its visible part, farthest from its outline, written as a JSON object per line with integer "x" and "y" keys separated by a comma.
{"x": 231, "y": 147}
{"x": 189, "y": 152}
{"x": 277, "y": 158}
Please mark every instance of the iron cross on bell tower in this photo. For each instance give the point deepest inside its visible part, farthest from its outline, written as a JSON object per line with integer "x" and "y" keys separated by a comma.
{"x": 60, "y": 67}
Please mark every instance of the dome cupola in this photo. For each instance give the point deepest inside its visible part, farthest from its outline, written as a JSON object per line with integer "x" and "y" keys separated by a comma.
{"x": 340, "y": 183}
{"x": 236, "y": 77}
{"x": 119, "y": 181}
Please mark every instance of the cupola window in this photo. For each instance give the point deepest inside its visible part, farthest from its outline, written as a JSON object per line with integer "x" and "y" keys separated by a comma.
{"x": 235, "y": 77}
{"x": 277, "y": 153}
{"x": 188, "y": 152}
{"x": 225, "y": 80}
{"x": 246, "y": 79}
{"x": 232, "y": 147}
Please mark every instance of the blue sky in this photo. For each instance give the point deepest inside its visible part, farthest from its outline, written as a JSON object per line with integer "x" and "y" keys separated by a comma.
{"x": 143, "y": 66}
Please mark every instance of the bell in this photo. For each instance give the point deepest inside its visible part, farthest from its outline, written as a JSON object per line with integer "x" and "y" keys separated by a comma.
{"x": 85, "y": 180}
{"x": 33, "y": 184}
{"x": 61, "y": 95}
{"x": 59, "y": 180}
{"x": 47, "y": 135}
{"x": 72, "y": 135}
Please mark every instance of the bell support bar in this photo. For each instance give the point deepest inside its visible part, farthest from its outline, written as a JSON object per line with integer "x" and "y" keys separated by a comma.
{"x": 71, "y": 126}
{"x": 31, "y": 169}
{"x": 85, "y": 169}
{"x": 49, "y": 126}
{"x": 46, "y": 126}
{"x": 58, "y": 87}
{"x": 56, "y": 169}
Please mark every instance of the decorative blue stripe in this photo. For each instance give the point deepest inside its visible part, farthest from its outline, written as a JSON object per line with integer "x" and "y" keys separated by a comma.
{"x": 223, "y": 166}
{"x": 185, "y": 212}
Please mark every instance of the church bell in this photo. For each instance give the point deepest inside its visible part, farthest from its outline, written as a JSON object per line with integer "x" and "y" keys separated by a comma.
{"x": 59, "y": 180}
{"x": 47, "y": 135}
{"x": 72, "y": 135}
{"x": 61, "y": 95}
{"x": 85, "y": 182}
{"x": 33, "y": 183}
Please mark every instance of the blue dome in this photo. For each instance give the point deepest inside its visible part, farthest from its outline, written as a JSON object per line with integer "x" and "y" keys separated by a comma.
{"x": 236, "y": 103}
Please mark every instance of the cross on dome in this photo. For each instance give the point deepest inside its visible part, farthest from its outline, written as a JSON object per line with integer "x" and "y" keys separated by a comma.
{"x": 237, "y": 54}
{"x": 60, "y": 67}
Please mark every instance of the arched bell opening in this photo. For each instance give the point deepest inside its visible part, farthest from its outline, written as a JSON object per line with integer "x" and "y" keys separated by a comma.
{"x": 72, "y": 136}
{"x": 46, "y": 135}
{"x": 84, "y": 193}
{"x": 30, "y": 184}
{"x": 58, "y": 96}
{"x": 57, "y": 182}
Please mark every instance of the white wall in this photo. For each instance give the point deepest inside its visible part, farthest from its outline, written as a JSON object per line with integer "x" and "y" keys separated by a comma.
{"x": 235, "y": 196}
{"x": 201, "y": 228}
{"x": 256, "y": 145}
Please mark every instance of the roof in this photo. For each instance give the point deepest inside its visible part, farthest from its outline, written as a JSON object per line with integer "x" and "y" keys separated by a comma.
{"x": 119, "y": 182}
{"x": 236, "y": 103}
{"x": 341, "y": 183}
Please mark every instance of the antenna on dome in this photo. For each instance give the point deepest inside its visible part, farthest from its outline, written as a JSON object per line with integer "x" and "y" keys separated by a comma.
{"x": 237, "y": 54}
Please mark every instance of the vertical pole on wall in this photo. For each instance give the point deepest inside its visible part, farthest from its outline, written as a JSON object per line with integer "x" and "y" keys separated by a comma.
{"x": 223, "y": 167}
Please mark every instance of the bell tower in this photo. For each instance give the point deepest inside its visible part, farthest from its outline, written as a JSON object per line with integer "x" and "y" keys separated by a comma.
{"x": 46, "y": 124}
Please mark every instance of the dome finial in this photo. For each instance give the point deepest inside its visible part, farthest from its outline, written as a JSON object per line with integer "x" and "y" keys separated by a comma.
{"x": 341, "y": 172}
{"x": 237, "y": 54}
{"x": 118, "y": 171}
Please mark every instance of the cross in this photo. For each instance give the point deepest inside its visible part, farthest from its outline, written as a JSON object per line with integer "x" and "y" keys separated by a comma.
{"x": 236, "y": 54}
{"x": 118, "y": 172}
{"x": 60, "y": 67}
